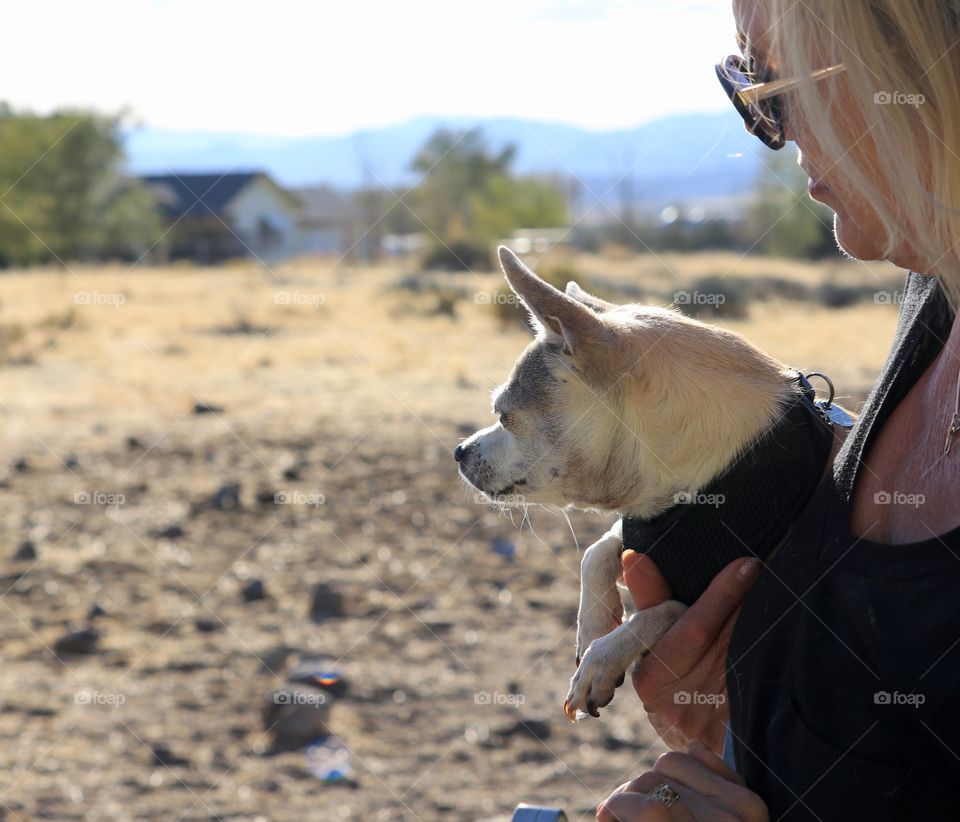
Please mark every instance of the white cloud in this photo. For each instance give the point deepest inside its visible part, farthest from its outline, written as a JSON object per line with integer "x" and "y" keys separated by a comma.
{"x": 289, "y": 67}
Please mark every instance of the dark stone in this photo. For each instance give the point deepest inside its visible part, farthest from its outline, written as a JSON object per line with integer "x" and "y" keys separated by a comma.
{"x": 135, "y": 444}
{"x": 96, "y": 611}
{"x": 26, "y": 552}
{"x": 266, "y": 496}
{"x": 615, "y": 743}
{"x": 71, "y": 463}
{"x": 207, "y": 626}
{"x": 503, "y": 547}
{"x": 84, "y": 641}
{"x": 226, "y": 498}
{"x": 326, "y": 603}
{"x": 174, "y": 531}
{"x": 295, "y": 715}
{"x": 163, "y": 627}
{"x": 162, "y": 755}
{"x": 538, "y": 729}
{"x": 207, "y": 408}
{"x": 273, "y": 660}
{"x": 21, "y": 466}
{"x": 254, "y": 590}
{"x": 292, "y": 473}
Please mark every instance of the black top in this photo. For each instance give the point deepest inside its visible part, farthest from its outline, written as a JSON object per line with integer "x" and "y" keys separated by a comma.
{"x": 844, "y": 665}
{"x": 745, "y": 511}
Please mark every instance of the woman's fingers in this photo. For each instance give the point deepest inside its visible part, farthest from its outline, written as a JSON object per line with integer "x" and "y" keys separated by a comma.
{"x": 644, "y": 580}
{"x": 703, "y": 754}
{"x": 631, "y": 802}
{"x": 700, "y": 626}
{"x": 691, "y": 771}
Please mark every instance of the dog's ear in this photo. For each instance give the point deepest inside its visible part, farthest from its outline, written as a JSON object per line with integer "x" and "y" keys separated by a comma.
{"x": 591, "y": 302}
{"x": 553, "y": 310}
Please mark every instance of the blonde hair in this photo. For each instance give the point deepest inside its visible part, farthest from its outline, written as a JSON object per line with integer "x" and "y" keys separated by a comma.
{"x": 900, "y": 97}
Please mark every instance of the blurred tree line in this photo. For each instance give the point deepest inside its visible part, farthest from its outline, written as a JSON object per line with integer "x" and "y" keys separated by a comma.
{"x": 63, "y": 195}
{"x": 467, "y": 197}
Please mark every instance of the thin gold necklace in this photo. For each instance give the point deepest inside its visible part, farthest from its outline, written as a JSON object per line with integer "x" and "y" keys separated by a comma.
{"x": 954, "y": 426}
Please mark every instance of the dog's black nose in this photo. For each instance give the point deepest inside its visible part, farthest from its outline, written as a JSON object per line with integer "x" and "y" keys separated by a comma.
{"x": 458, "y": 453}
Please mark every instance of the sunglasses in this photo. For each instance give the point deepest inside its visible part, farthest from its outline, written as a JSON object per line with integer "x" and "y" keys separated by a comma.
{"x": 759, "y": 101}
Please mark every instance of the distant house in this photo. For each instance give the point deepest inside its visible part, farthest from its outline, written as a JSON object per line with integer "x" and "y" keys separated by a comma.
{"x": 329, "y": 222}
{"x": 212, "y": 217}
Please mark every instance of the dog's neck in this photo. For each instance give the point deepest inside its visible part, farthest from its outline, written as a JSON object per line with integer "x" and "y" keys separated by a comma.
{"x": 747, "y": 509}
{"x": 644, "y": 474}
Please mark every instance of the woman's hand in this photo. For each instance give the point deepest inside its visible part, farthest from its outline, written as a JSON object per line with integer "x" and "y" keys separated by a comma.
{"x": 707, "y": 790}
{"x": 682, "y": 681}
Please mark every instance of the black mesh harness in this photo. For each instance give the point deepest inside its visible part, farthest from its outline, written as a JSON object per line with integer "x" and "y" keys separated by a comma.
{"x": 747, "y": 510}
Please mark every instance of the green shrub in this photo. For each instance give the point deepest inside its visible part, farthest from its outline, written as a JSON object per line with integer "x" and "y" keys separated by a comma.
{"x": 714, "y": 296}
{"x": 460, "y": 255}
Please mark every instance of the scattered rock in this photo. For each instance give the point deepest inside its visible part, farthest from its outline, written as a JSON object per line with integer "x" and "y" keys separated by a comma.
{"x": 273, "y": 660}
{"x": 162, "y": 755}
{"x": 227, "y": 497}
{"x": 84, "y": 641}
{"x": 162, "y": 627}
{"x": 71, "y": 462}
{"x": 26, "y": 552}
{"x": 293, "y": 472}
{"x": 538, "y": 729}
{"x": 266, "y": 496}
{"x": 296, "y": 715}
{"x": 135, "y": 444}
{"x": 174, "y": 531}
{"x": 326, "y": 603}
{"x": 21, "y": 466}
{"x": 254, "y": 590}
{"x": 207, "y": 626}
{"x": 503, "y": 547}
{"x": 207, "y": 408}
{"x": 96, "y": 611}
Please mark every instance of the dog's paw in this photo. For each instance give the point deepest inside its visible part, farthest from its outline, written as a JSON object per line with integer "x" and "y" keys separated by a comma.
{"x": 594, "y": 683}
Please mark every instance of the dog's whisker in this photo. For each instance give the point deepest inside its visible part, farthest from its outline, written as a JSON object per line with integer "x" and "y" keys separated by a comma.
{"x": 573, "y": 533}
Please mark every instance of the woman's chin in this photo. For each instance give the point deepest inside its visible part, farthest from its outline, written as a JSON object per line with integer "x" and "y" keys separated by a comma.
{"x": 854, "y": 241}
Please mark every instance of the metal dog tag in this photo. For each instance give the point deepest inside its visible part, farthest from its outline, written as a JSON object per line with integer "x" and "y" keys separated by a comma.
{"x": 835, "y": 414}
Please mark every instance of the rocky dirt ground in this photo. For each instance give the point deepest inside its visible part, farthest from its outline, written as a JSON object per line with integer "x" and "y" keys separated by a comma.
{"x": 190, "y": 454}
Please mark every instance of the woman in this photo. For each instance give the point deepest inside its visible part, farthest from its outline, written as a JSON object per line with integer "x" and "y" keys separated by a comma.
{"x": 841, "y": 669}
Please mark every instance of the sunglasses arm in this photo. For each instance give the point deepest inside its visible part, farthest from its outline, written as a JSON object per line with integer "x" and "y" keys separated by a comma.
{"x": 751, "y": 95}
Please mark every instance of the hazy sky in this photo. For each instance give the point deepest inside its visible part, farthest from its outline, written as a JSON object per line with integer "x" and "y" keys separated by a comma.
{"x": 295, "y": 68}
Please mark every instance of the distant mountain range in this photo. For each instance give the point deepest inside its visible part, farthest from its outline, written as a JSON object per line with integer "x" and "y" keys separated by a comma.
{"x": 676, "y": 159}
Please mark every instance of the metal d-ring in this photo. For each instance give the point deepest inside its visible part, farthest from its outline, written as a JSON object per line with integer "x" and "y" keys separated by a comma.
{"x": 829, "y": 383}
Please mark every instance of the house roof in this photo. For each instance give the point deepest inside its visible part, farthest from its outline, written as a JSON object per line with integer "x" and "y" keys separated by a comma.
{"x": 196, "y": 195}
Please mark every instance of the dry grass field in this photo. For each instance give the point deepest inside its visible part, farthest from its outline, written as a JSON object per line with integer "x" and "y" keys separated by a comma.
{"x": 343, "y": 390}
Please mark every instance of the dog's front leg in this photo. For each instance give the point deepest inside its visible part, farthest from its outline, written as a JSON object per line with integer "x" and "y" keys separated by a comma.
{"x": 601, "y": 609}
{"x": 606, "y": 661}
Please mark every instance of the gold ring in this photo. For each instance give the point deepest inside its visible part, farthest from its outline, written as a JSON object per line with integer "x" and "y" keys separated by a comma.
{"x": 665, "y": 794}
